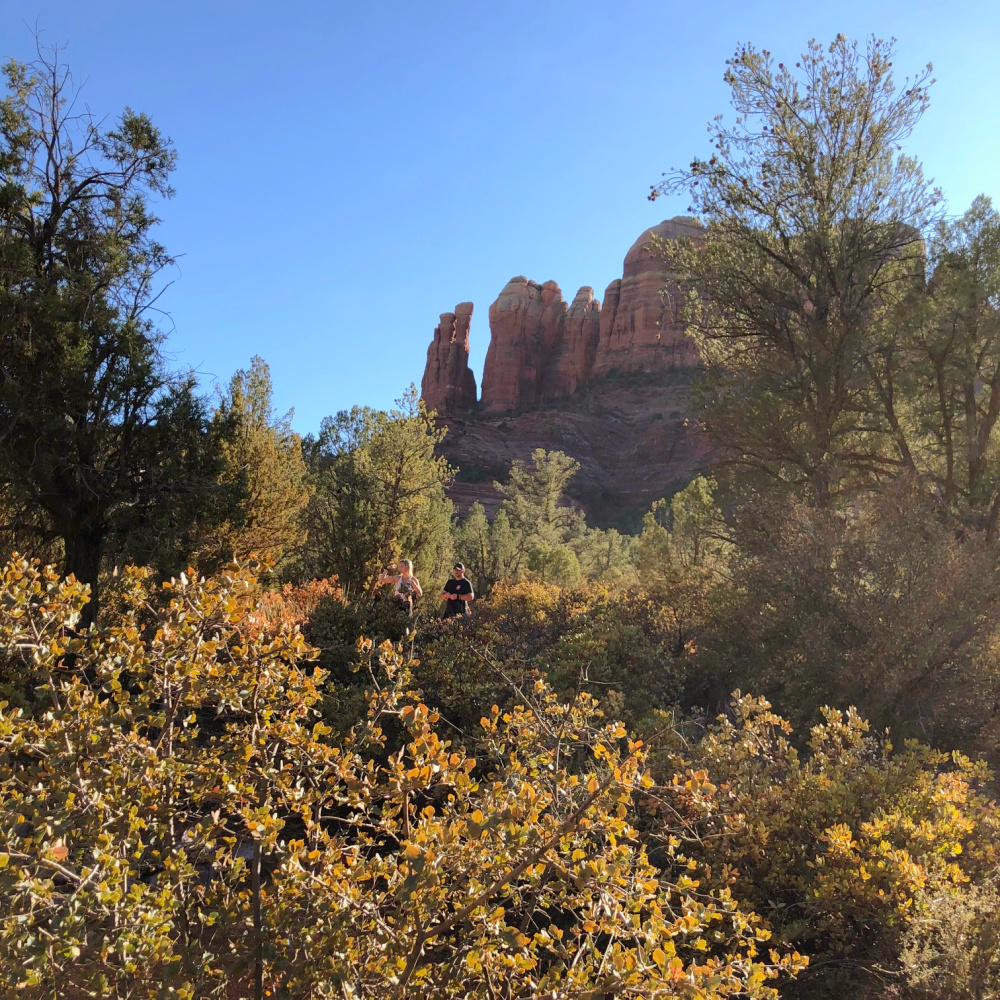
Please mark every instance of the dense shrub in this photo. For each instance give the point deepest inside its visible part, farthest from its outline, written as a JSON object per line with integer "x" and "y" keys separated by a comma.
{"x": 848, "y": 848}
{"x": 883, "y": 607}
{"x": 626, "y": 648}
{"x": 951, "y": 951}
{"x": 145, "y": 853}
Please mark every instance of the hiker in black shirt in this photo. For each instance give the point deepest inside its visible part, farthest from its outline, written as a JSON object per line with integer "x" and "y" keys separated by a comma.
{"x": 457, "y": 594}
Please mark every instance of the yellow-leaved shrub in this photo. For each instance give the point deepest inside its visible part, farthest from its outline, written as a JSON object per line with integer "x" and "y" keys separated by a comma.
{"x": 178, "y": 822}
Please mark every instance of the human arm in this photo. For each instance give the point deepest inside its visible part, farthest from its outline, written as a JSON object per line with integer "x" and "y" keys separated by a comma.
{"x": 415, "y": 587}
{"x": 467, "y": 595}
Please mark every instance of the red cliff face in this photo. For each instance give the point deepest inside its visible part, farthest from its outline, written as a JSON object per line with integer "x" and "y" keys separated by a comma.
{"x": 448, "y": 384}
{"x": 574, "y": 361}
{"x": 639, "y": 327}
{"x": 634, "y": 438}
{"x": 525, "y": 326}
{"x": 542, "y": 349}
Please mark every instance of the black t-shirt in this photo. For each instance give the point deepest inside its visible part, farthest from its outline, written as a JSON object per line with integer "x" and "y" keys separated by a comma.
{"x": 452, "y": 608}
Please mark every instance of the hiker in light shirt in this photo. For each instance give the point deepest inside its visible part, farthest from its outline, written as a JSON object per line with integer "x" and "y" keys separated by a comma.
{"x": 405, "y": 585}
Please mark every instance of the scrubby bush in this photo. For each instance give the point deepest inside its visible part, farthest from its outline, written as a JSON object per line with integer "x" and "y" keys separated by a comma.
{"x": 180, "y": 824}
{"x": 882, "y": 606}
{"x": 849, "y": 847}
{"x": 626, "y": 648}
{"x": 951, "y": 951}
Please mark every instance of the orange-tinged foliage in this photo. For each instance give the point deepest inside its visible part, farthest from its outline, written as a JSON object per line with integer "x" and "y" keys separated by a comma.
{"x": 297, "y": 604}
{"x": 174, "y": 753}
{"x": 842, "y": 846}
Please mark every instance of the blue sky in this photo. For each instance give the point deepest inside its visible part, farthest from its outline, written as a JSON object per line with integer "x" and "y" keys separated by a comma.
{"x": 349, "y": 171}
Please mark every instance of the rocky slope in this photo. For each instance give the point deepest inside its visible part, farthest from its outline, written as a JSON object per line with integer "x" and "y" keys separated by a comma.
{"x": 631, "y": 434}
{"x": 606, "y": 383}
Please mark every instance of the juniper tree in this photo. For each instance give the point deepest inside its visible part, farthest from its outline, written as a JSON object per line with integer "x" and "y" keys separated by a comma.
{"x": 81, "y": 376}
{"x": 379, "y": 494}
{"x": 263, "y": 468}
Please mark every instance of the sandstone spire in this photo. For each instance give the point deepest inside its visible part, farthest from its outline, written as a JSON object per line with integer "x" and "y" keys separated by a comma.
{"x": 639, "y": 324}
{"x": 542, "y": 348}
{"x": 448, "y": 384}
{"x": 526, "y": 323}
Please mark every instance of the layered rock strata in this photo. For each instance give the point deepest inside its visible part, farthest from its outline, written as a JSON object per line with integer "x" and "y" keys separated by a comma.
{"x": 449, "y": 385}
{"x": 635, "y": 442}
{"x": 634, "y": 438}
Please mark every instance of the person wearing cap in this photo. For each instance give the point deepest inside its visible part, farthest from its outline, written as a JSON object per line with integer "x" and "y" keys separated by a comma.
{"x": 457, "y": 594}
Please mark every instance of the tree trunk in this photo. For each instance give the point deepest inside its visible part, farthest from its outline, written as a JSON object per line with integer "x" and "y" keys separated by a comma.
{"x": 83, "y": 560}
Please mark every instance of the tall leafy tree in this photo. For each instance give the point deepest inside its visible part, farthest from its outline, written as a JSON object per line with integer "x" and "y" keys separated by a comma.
{"x": 946, "y": 355}
{"x": 880, "y": 606}
{"x": 813, "y": 221}
{"x": 80, "y": 372}
{"x": 605, "y": 554}
{"x": 540, "y": 518}
{"x": 22, "y": 526}
{"x": 379, "y": 495}
{"x": 262, "y": 466}
{"x": 187, "y": 500}
{"x": 537, "y": 531}
{"x": 687, "y": 532}
{"x": 489, "y": 551}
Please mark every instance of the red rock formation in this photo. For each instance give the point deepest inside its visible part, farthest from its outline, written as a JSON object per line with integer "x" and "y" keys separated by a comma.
{"x": 574, "y": 361}
{"x": 639, "y": 328}
{"x": 635, "y": 444}
{"x": 542, "y": 349}
{"x": 526, "y": 328}
{"x": 448, "y": 384}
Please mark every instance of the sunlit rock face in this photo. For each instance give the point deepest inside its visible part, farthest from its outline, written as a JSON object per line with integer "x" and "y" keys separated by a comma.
{"x": 574, "y": 363}
{"x": 526, "y": 324}
{"x": 639, "y": 322}
{"x": 634, "y": 434}
{"x": 542, "y": 348}
{"x": 449, "y": 385}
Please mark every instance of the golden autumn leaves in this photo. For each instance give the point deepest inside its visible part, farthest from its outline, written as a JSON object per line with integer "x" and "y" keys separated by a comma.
{"x": 183, "y": 739}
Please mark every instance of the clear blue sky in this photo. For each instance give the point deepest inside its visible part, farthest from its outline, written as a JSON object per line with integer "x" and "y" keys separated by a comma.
{"x": 349, "y": 171}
